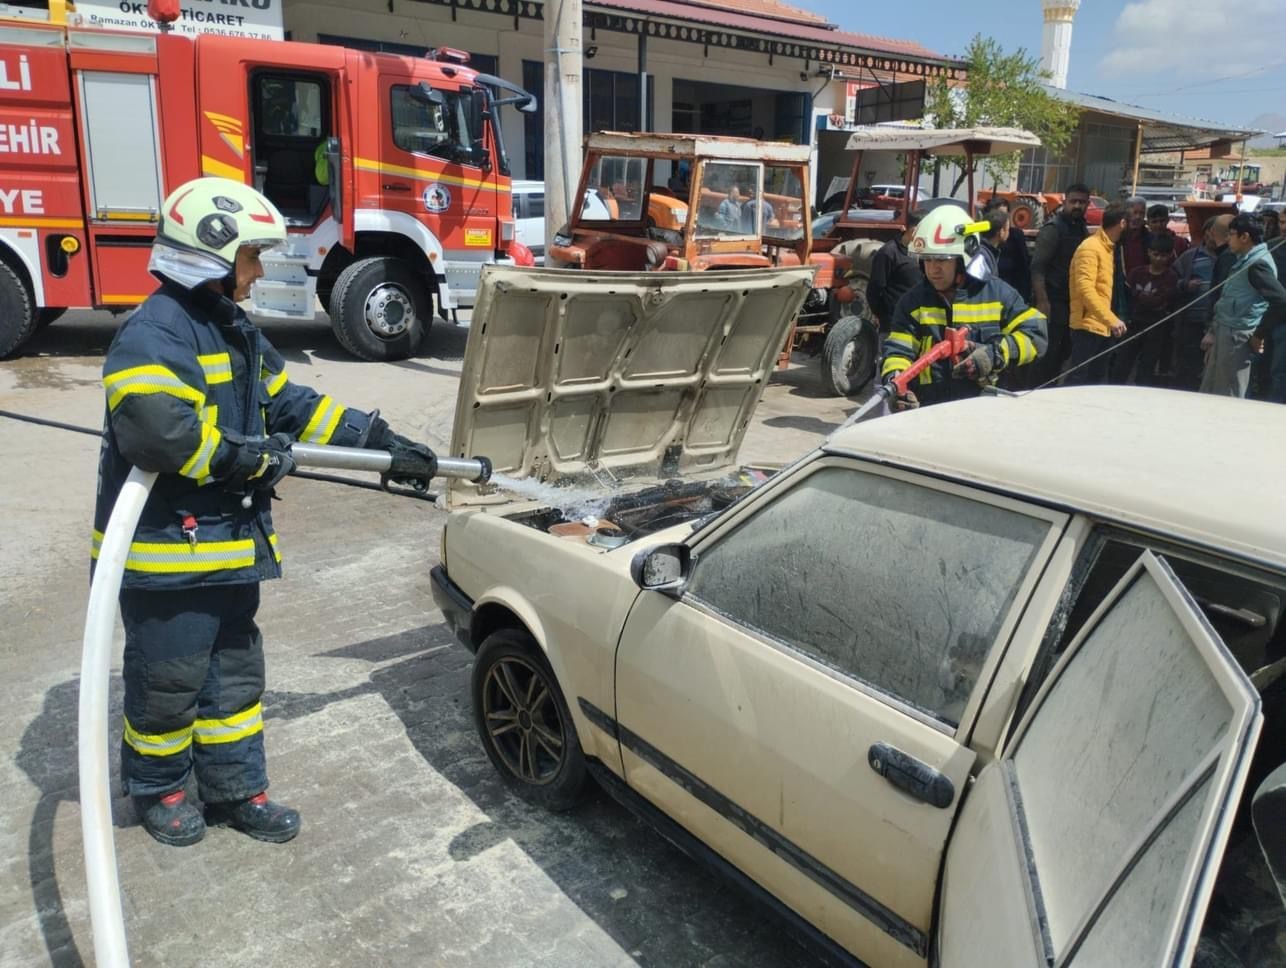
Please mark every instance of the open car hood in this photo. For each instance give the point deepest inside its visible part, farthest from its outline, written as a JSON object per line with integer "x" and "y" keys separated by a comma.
{"x": 574, "y": 375}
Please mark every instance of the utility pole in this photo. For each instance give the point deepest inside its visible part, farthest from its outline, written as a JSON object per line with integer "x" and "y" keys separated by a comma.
{"x": 562, "y": 112}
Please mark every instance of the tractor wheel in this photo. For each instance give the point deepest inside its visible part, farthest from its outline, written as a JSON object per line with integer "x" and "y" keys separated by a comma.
{"x": 380, "y": 309}
{"x": 849, "y": 355}
{"x": 1026, "y": 213}
{"x": 17, "y": 311}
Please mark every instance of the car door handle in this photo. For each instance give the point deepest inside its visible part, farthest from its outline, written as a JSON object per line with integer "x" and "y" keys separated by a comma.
{"x": 911, "y": 776}
{"x": 396, "y": 188}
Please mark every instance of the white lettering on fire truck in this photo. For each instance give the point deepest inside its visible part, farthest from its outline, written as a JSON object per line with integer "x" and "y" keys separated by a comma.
{"x": 23, "y": 83}
{"x": 29, "y": 139}
{"x": 22, "y": 201}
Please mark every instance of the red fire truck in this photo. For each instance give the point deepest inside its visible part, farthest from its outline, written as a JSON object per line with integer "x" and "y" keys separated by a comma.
{"x": 390, "y": 170}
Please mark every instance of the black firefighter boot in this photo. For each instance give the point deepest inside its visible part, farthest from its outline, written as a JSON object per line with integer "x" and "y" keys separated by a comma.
{"x": 259, "y": 817}
{"x": 171, "y": 819}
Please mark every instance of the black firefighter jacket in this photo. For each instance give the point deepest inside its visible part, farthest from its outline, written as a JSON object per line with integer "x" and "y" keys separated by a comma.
{"x": 186, "y": 376}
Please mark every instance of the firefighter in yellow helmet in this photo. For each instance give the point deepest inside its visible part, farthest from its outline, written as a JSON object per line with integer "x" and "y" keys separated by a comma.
{"x": 196, "y": 393}
{"x": 958, "y": 290}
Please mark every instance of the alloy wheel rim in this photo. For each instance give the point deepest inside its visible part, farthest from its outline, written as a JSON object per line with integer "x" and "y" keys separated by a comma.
{"x": 522, "y": 720}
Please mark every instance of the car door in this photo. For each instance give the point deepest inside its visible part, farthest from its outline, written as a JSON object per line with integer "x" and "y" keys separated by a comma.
{"x": 1096, "y": 838}
{"x": 800, "y": 706}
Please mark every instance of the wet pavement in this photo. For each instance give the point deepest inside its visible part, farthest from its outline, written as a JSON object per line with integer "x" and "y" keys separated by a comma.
{"x": 412, "y": 851}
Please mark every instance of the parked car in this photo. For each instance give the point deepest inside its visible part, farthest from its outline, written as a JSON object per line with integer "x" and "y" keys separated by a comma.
{"x": 982, "y": 682}
{"x": 529, "y": 216}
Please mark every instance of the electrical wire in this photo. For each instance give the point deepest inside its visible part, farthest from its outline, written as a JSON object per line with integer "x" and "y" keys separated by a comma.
{"x": 305, "y": 475}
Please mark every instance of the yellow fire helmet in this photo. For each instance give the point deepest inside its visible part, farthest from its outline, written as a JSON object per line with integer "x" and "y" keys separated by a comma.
{"x": 203, "y": 224}
{"x": 945, "y": 232}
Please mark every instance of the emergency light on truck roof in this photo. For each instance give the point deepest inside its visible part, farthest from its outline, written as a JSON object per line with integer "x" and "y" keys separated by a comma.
{"x": 450, "y": 54}
{"x": 163, "y": 11}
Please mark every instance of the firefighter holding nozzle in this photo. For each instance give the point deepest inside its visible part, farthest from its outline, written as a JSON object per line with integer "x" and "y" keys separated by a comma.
{"x": 958, "y": 290}
{"x": 198, "y": 395}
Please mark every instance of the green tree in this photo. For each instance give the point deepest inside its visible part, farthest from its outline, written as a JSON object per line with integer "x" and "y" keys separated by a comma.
{"x": 1001, "y": 90}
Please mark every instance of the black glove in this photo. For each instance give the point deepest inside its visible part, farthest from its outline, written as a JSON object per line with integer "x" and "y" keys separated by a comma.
{"x": 977, "y": 365}
{"x": 258, "y": 465}
{"x": 413, "y": 464}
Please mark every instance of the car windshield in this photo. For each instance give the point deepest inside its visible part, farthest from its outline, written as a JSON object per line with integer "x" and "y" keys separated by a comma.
{"x": 615, "y": 190}
{"x": 731, "y": 201}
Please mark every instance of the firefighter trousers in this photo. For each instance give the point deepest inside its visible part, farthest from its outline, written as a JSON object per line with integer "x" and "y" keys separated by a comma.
{"x": 194, "y": 676}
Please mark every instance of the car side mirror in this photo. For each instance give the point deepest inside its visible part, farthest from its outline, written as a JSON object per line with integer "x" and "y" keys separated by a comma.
{"x": 664, "y": 568}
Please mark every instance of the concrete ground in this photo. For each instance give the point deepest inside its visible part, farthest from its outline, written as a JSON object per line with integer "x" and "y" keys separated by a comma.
{"x": 412, "y": 850}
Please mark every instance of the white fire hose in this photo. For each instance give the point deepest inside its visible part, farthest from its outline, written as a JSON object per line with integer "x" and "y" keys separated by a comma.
{"x": 105, "y": 914}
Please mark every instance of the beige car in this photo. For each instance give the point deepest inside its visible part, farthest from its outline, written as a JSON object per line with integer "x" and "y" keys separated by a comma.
{"x": 977, "y": 685}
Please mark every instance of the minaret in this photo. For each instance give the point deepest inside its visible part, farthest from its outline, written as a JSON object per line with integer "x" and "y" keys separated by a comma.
{"x": 1056, "y": 46}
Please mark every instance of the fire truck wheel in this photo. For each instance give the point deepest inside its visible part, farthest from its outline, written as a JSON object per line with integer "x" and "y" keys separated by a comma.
{"x": 849, "y": 354}
{"x": 380, "y": 309}
{"x": 17, "y": 311}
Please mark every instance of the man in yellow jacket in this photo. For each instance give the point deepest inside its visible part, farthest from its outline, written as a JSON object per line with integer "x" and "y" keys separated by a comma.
{"x": 1094, "y": 326}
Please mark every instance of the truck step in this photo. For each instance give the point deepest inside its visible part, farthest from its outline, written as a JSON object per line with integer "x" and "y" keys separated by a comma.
{"x": 290, "y": 299}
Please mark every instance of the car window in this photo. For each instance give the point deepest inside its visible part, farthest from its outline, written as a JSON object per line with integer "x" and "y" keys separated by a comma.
{"x": 535, "y": 205}
{"x": 443, "y": 130}
{"x": 899, "y": 586}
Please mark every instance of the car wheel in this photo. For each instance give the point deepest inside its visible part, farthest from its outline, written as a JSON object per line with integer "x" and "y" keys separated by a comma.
{"x": 848, "y": 356}
{"x": 524, "y": 723}
{"x": 380, "y": 309}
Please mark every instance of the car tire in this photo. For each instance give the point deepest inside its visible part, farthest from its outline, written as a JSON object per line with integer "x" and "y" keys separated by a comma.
{"x": 849, "y": 355}
{"x": 524, "y": 723}
{"x": 17, "y": 312}
{"x": 380, "y": 309}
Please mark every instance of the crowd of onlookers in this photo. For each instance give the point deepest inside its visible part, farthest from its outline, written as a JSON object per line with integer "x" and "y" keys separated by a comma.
{"x": 1135, "y": 303}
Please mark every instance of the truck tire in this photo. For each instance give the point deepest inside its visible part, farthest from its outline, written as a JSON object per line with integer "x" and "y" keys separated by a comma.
{"x": 380, "y": 309}
{"x": 17, "y": 311}
{"x": 1026, "y": 213}
{"x": 849, "y": 355}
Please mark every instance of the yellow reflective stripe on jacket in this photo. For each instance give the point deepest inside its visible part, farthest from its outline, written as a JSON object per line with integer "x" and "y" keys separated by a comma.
{"x": 963, "y": 313}
{"x": 930, "y": 316}
{"x": 323, "y": 422}
{"x": 1020, "y": 319}
{"x": 157, "y": 744}
{"x": 894, "y": 364}
{"x": 1026, "y": 348}
{"x": 273, "y": 382}
{"x": 272, "y": 543}
{"x": 198, "y": 465}
{"x": 151, "y": 378}
{"x": 902, "y": 339}
{"x": 180, "y": 556}
{"x": 926, "y": 344}
{"x": 217, "y": 367}
{"x": 209, "y": 732}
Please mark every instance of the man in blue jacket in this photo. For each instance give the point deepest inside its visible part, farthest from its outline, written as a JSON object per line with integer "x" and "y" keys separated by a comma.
{"x": 196, "y": 394}
{"x": 1242, "y": 312}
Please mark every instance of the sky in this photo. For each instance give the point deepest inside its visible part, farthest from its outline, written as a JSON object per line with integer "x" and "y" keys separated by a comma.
{"x": 1177, "y": 56}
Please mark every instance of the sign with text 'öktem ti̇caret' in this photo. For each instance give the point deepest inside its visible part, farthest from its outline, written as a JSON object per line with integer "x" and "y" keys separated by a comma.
{"x": 228, "y": 18}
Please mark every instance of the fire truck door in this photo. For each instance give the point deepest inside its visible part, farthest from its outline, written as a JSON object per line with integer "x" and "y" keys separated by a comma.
{"x": 292, "y": 118}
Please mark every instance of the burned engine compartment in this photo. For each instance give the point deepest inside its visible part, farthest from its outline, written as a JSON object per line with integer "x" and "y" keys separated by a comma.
{"x": 609, "y": 519}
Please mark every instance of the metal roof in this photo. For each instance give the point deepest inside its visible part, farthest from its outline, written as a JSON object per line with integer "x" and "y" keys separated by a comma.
{"x": 698, "y": 145}
{"x": 752, "y": 18}
{"x": 1191, "y": 465}
{"x": 1161, "y": 132}
{"x": 942, "y": 141}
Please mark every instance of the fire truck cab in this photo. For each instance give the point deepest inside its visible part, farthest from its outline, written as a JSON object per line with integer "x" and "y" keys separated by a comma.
{"x": 390, "y": 170}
